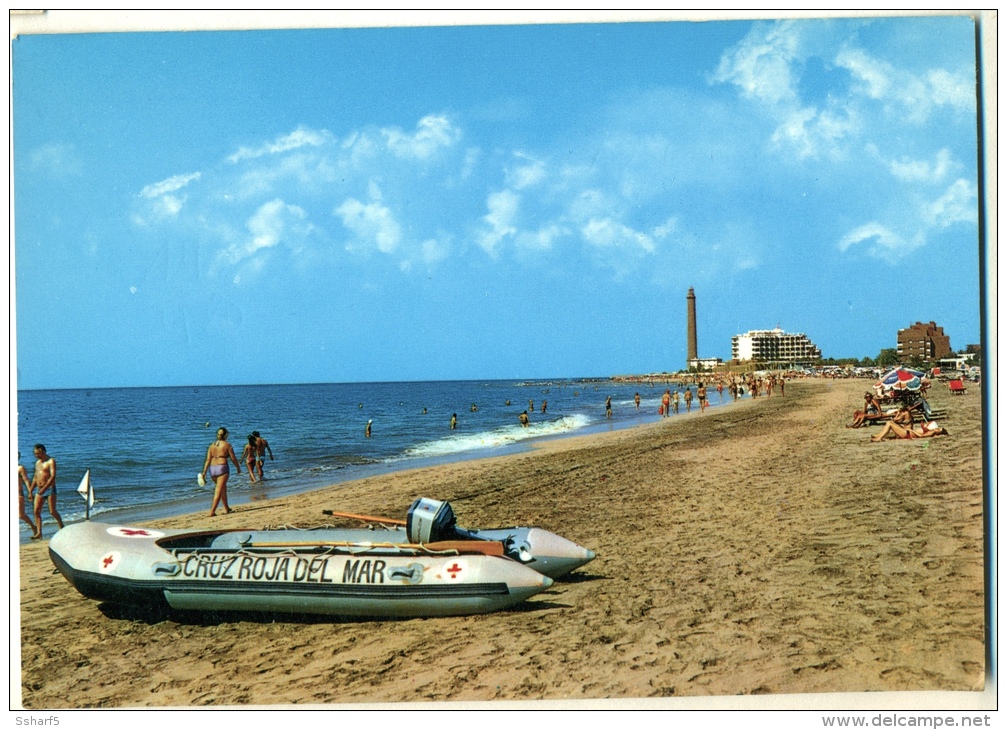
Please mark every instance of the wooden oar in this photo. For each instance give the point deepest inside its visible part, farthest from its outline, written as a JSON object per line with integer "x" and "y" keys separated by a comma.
{"x": 365, "y": 518}
{"x": 481, "y": 547}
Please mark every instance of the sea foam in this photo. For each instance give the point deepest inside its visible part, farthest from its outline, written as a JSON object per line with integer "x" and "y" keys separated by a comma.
{"x": 497, "y": 438}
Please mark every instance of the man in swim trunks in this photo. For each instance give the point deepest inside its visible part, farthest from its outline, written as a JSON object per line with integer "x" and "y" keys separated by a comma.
{"x": 261, "y": 446}
{"x": 44, "y": 486}
{"x": 216, "y": 463}
{"x": 666, "y": 402}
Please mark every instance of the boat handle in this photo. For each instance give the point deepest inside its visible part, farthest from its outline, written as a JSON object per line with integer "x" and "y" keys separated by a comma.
{"x": 411, "y": 574}
{"x": 166, "y": 568}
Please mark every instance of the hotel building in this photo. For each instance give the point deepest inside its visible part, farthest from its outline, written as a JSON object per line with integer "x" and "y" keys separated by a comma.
{"x": 926, "y": 341}
{"x": 774, "y": 346}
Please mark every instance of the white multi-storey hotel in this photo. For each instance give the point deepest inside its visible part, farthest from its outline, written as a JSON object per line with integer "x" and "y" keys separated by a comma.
{"x": 774, "y": 346}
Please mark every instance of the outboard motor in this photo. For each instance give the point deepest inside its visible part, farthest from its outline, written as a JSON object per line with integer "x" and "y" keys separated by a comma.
{"x": 430, "y": 521}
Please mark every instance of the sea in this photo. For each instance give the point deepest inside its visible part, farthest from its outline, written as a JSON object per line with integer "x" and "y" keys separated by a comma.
{"x": 145, "y": 446}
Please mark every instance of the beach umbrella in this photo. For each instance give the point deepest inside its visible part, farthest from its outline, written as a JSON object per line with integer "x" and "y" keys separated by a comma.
{"x": 901, "y": 379}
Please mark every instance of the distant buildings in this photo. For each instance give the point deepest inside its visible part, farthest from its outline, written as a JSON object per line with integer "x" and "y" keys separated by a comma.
{"x": 925, "y": 341}
{"x": 704, "y": 363}
{"x": 774, "y": 346}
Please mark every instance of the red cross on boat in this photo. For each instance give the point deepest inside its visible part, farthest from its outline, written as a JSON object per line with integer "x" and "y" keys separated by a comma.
{"x": 107, "y": 561}
{"x": 129, "y": 532}
{"x": 454, "y": 570}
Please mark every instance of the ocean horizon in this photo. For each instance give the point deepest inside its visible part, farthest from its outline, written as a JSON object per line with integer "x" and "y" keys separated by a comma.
{"x": 145, "y": 445}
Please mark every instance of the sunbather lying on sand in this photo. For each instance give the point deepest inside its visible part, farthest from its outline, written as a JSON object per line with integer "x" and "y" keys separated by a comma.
{"x": 923, "y": 431}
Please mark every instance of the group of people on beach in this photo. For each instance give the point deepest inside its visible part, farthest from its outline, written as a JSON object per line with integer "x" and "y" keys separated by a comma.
{"x": 899, "y": 421}
{"x": 216, "y": 464}
{"x": 40, "y": 490}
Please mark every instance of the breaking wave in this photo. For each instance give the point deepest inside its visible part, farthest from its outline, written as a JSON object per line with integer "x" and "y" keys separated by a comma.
{"x": 505, "y": 436}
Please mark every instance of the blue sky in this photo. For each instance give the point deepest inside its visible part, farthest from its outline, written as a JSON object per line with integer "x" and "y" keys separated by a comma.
{"x": 486, "y": 202}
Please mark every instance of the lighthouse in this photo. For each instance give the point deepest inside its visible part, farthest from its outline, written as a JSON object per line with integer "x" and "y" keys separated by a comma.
{"x": 693, "y": 349}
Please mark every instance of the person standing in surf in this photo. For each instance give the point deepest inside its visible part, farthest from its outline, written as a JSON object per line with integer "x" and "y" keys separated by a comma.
{"x": 216, "y": 463}
{"x": 261, "y": 446}
{"x": 248, "y": 456}
{"x": 21, "y": 484}
{"x": 44, "y": 486}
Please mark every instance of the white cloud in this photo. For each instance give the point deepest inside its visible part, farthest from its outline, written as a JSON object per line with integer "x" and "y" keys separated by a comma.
{"x": 371, "y": 222}
{"x": 873, "y": 75}
{"x": 604, "y": 233}
{"x": 58, "y": 160}
{"x": 948, "y": 89}
{"x": 163, "y": 202}
{"x": 527, "y": 173}
{"x": 916, "y": 96}
{"x": 271, "y": 223}
{"x": 434, "y": 251}
{"x": 176, "y": 182}
{"x": 881, "y": 242}
{"x": 760, "y": 65}
{"x": 666, "y": 229}
{"x": 432, "y": 133}
{"x": 541, "y": 239}
{"x": 922, "y": 170}
{"x": 300, "y": 137}
{"x": 503, "y": 207}
{"x": 959, "y": 204}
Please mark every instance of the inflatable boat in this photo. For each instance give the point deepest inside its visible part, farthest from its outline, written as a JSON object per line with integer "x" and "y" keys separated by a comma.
{"x": 289, "y": 572}
{"x": 430, "y": 568}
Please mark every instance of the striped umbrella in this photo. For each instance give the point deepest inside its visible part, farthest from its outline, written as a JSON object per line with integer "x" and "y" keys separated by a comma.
{"x": 901, "y": 378}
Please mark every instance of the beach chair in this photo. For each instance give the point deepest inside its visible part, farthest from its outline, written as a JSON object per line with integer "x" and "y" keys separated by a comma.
{"x": 920, "y": 410}
{"x": 957, "y": 387}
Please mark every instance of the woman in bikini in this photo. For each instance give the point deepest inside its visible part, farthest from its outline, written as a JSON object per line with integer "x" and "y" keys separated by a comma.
{"x": 216, "y": 463}
{"x": 923, "y": 431}
{"x": 249, "y": 456}
{"x": 872, "y": 412}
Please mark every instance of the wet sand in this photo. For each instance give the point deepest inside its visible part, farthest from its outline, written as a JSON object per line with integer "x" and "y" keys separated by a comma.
{"x": 753, "y": 549}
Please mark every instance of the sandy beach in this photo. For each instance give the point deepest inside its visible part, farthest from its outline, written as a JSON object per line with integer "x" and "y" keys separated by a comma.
{"x": 756, "y": 548}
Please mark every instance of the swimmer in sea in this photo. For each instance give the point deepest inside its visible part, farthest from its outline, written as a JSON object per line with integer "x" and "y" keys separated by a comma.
{"x": 216, "y": 464}
{"x": 523, "y": 418}
{"x": 454, "y": 421}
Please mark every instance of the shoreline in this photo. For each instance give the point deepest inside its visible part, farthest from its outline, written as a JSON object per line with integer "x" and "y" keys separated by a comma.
{"x": 762, "y": 549}
{"x": 241, "y": 495}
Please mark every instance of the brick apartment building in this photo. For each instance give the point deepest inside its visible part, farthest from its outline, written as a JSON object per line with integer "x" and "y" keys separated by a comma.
{"x": 926, "y": 341}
